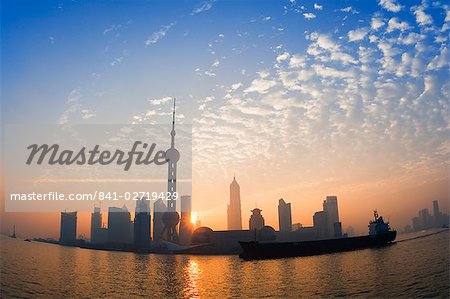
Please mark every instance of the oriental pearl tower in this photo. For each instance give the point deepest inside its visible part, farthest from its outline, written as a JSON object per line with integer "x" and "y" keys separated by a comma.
{"x": 171, "y": 217}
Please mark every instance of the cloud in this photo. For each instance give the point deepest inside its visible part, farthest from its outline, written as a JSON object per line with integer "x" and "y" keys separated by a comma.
{"x": 297, "y": 60}
{"x": 86, "y": 114}
{"x": 203, "y": 103}
{"x": 117, "y": 60}
{"x": 309, "y": 16}
{"x": 160, "y": 101}
{"x": 325, "y": 49}
{"x": 318, "y": 7}
{"x": 357, "y": 34}
{"x": 75, "y": 108}
{"x": 376, "y": 23}
{"x": 262, "y": 84}
{"x": 216, "y": 63}
{"x": 410, "y": 39}
{"x": 440, "y": 60}
{"x": 282, "y": 57}
{"x": 395, "y": 24}
{"x": 205, "y": 6}
{"x": 156, "y": 36}
{"x": 390, "y": 5}
{"x": 210, "y": 74}
{"x": 421, "y": 17}
{"x": 236, "y": 86}
{"x": 349, "y": 9}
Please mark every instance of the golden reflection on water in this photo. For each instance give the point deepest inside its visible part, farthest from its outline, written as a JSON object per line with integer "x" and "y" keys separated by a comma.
{"x": 192, "y": 272}
{"x": 417, "y": 268}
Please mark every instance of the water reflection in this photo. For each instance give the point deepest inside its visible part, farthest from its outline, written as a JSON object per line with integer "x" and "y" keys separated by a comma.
{"x": 416, "y": 268}
{"x": 192, "y": 274}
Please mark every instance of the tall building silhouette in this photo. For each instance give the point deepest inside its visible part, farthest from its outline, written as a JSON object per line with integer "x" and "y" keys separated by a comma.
{"x": 142, "y": 224}
{"x": 234, "y": 208}
{"x": 120, "y": 227}
{"x": 284, "y": 216}
{"x": 171, "y": 218}
{"x": 416, "y": 224}
{"x": 330, "y": 206}
{"x": 321, "y": 224}
{"x": 159, "y": 208}
{"x": 256, "y": 221}
{"x": 425, "y": 219}
{"x": 436, "y": 214}
{"x": 68, "y": 228}
{"x": 96, "y": 225}
{"x": 186, "y": 227}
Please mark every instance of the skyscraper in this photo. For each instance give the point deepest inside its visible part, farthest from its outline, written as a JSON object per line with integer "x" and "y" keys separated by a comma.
{"x": 96, "y": 225}
{"x": 234, "y": 208}
{"x": 120, "y": 227}
{"x": 416, "y": 224}
{"x": 321, "y": 224}
{"x": 142, "y": 224}
{"x": 68, "y": 228}
{"x": 171, "y": 218}
{"x": 436, "y": 214}
{"x": 186, "y": 227}
{"x": 256, "y": 221}
{"x": 330, "y": 206}
{"x": 425, "y": 219}
{"x": 284, "y": 216}
{"x": 159, "y": 208}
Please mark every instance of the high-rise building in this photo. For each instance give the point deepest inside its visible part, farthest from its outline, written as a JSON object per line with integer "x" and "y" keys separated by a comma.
{"x": 186, "y": 227}
{"x": 96, "y": 225}
{"x": 284, "y": 216}
{"x": 142, "y": 224}
{"x": 416, "y": 224}
{"x": 159, "y": 208}
{"x": 436, "y": 214}
{"x": 425, "y": 219}
{"x": 120, "y": 227}
{"x": 234, "y": 208}
{"x": 68, "y": 228}
{"x": 330, "y": 206}
{"x": 171, "y": 218}
{"x": 256, "y": 221}
{"x": 321, "y": 224}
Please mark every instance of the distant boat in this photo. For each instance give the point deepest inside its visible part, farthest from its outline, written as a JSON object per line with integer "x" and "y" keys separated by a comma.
{"x": 27, "y": 240}
{"x": 14, "y": 232}
{"x": 380, "y": 234}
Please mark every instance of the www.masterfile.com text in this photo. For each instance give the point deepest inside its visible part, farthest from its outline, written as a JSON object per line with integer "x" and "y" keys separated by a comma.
{"x": 95, "y": 195}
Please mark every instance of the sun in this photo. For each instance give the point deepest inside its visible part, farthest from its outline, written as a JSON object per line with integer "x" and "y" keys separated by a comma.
{"x": 193, "y": 217}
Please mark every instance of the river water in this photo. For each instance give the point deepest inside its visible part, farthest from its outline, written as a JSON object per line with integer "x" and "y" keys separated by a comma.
{"x": 417, "y": 265}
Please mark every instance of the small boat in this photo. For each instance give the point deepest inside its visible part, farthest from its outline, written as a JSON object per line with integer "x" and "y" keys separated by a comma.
{"x": 380, "y": 234}
{"x": 27, "y": 240}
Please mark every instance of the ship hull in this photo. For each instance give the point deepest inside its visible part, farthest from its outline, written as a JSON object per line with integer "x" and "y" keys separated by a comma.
{"x": 256, "y": 250}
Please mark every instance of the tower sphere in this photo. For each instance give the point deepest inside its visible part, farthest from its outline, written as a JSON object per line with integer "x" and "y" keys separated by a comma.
{"x": 172, "y": 155}
{"x": 170, "y": 219}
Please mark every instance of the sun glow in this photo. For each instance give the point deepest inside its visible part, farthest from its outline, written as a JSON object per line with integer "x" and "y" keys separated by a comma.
{"x": 193, "y": 217}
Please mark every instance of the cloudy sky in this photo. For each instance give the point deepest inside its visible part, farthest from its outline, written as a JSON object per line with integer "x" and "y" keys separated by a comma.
{"x": 299, "y": 99}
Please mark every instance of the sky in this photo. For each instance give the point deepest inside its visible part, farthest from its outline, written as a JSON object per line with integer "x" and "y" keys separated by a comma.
{"x": 297, "y": 99}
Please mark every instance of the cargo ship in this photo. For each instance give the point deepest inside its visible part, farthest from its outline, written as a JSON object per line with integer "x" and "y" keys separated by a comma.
{"x": 380, "y": 234}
